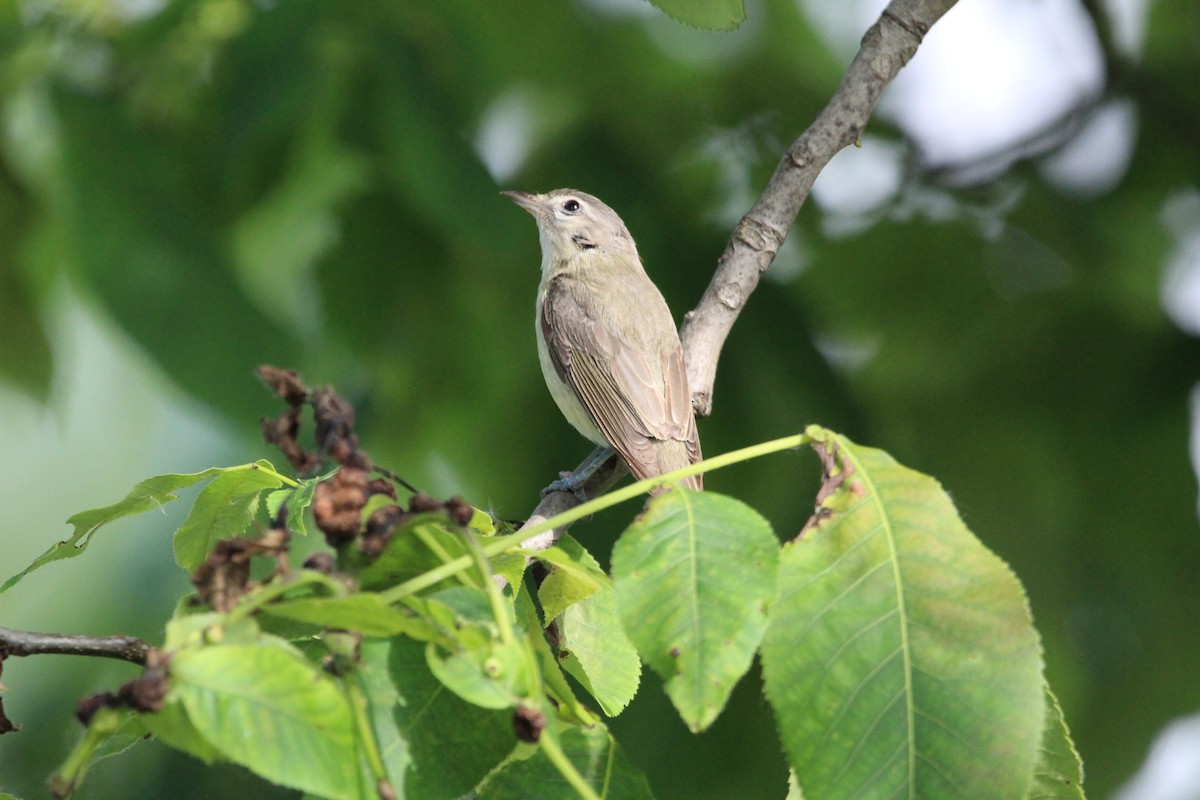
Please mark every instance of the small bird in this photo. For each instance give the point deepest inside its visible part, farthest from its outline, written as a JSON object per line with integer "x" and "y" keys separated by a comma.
{"x": 608, "y": 346}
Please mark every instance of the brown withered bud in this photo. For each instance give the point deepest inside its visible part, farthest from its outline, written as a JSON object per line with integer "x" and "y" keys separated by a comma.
{"x": 337, "y": 505}
{"x": 460, "y": 511}
{"x": 147, "y": 692}
{"x": 420, "y": 502}
{"x": 528, "y": 724}
{"x": 88, "y": 706}
{"x": 381, "y": 486}
{"x": 320, "y": 562}
{"x": 6, "y": 724}
{"x": 335, "y": 429}
{"x": 380, "y": 526}
{"x": 285, "y": 383}
{"x": 282, "y": 432}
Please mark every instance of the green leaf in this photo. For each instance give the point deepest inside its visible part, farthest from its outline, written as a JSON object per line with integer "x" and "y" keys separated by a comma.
{"x": 901, "y": 660}
{"x": 717, "y": 15}
{"x": 296, "y": 501}
{"x": 554, "y": 682}
{"x": 693, "y": 576}
{"x": 149, "y": 494}
{"x": 472, "y": 660}
{"x": 191, "y": 630}
{"x": 486, "y": 673}
{"x": 569, "y": 580}
{"x": 435, "y": 745}
{"x": 511, "y": 567}
{"x": 592, "y": 645}
{"x": 223, "y": 509}
{"x": 794, "y": 792}
{"x": 1058, "y": 773}
{"x": 273, "y": 712}
{"x": 592, "y": 751}
{"x": 364, "y": 612}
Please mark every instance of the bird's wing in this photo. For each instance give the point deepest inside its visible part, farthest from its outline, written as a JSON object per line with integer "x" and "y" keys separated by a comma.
{"x": 632, "y": 401}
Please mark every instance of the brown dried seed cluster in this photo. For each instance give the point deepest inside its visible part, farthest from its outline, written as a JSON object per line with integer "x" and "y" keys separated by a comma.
{"x": 337, "y": 505}
{"x": 225, "y": 575}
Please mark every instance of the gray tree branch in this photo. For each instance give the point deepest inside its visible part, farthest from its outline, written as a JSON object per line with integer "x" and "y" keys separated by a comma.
{"x": 886, "y": 47}
{"x": 15, "y": 643}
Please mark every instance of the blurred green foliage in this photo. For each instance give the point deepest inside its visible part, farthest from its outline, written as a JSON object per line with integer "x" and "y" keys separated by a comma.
{"x": 232, "y": 183}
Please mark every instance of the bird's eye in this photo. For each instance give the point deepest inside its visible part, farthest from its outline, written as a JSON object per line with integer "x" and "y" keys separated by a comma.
{"x": 571, "y": 206}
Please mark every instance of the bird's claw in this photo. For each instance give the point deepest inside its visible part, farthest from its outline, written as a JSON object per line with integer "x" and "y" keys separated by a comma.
{"x": 568, "y": 482}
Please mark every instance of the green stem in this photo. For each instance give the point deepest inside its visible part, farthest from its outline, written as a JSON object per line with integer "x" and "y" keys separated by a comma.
{"x": 501, "y": 544}
{"x": 284, "y": 479}
{"x": 565, "y": 768}
{"x": 495, "y": 598}
{"x": 435, "y": 547}
{"x": 265, "y": 594}
{"x": 366, "y": 734}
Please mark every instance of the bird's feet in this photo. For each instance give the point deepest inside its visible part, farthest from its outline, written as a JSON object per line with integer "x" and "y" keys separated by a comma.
{"x": 569, "y": 482}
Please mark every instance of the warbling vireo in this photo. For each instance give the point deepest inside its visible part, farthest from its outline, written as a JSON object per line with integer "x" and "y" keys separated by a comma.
{"x": 606, "y": 341}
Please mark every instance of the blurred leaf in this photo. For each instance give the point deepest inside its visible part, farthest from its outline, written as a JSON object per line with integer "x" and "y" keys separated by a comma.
{"x": 145, "y": 238}
{"x": 149, "y": 494}
{"x": 717, "y": 15}
{"x": 26, "y": 360}
{"x": 448, "y": 744}
{"x": 414, "y": 548}
{"x": 363, "y": 612}
{"x": 901, "y": 659}
{"x": 693, "y": 577}
{"x": 593, "y": 752}
{"x": 273, "y": 713}
{"x": 592, "y": 645}
{"x": 105, "y": 724}
{"x": 1058, "y": 773}
{"x": 277, "y": 242}
{"x": 223, "y": 510}
{"x": 174, "y": 728}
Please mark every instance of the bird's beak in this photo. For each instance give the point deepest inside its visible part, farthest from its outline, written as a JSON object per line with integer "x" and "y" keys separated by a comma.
{"x": 529, "y": 202}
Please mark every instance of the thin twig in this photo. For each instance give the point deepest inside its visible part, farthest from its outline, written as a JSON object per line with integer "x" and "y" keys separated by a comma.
{"x": 24, "y": 643}
{"x": 886, "y": 47}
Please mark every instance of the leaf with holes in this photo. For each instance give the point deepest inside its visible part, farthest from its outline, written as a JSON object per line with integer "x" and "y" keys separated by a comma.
{"x": 901, "y": 660}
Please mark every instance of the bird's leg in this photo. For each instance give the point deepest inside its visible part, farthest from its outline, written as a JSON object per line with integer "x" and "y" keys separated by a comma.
{"x": 573, "y": 481}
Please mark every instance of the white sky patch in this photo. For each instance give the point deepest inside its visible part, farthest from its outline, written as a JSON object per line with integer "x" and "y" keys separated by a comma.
{"x": 1128, "y": 21}
{"x": 994, "y": 72}
{"x": 1181, "y": 279}
{"x": 1172, "y": 768}
{"x": 1097, "y": 157}
{"x": 506, "y": 134}
{"x": 847, "y": 354}
{"x": 989, "y": 74}
{"x": 861, "y": 179}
